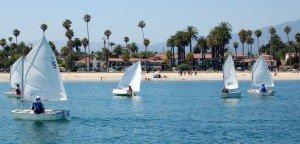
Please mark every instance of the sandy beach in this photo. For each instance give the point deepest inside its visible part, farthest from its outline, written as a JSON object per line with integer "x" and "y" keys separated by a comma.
{"x": 170, "y": 76}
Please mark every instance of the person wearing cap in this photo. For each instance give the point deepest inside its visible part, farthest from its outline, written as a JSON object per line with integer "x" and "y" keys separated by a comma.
{"x": 38, "y": 106}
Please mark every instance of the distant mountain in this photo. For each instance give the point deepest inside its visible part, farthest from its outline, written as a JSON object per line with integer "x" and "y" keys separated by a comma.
{"x": 159, "y": 47}
{"x": 265, "y": 37}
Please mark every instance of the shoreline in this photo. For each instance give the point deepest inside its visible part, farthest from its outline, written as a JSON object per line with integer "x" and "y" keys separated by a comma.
{"x": 170, "y": 76}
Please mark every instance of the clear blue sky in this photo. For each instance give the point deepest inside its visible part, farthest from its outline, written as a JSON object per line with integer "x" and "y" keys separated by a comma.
{"x": 162, "y": 17}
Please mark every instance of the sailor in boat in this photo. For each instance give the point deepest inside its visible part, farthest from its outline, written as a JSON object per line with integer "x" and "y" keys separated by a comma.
{"x": 38, "y": 106}
{"x": 131, "y": 91}
{"x": 225, "y": 90}
{"x": 18, "y": 91}
{"x": 263, "y": 89}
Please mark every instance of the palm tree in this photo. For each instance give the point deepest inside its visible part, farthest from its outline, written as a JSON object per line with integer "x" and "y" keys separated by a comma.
{"x": 126, "y": 40}
{"x": 146, "y": 43}
{"x": 69, "y": 34}
{"x": 171, "y": 44}
{"x": 16, "y": 33}
{"x": 107, "y": 33}
{"x": 10, "y": 39}
{"x": 235, "y": 45}
{"x": 258, "y": 34}
{"x": 142, "y": 24}
{"x": 44, "y": 27}
{"x": 272, "y": 31}
{"x": 87, "y": 19}
{"x": 192, "y": 34}
{"x": 248, "y": 40}
{"x": 67, "y": 24}
{"x": 297, "y": 37}
{"x": 287, "y": 30}
{"x": 202, "y": 44}
{"x": 85, "y": 43}
{"x": 243, "y": 36}
{"x": 3, "y": 43}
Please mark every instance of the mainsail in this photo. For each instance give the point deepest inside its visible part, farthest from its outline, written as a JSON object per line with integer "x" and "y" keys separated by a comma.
{"x": 261, "y": 74}
{"x": 132, "y": 77}
{"x": 229, "y": 74}
{"x": 41, "y": 74}
{"x": 16, "y": 73}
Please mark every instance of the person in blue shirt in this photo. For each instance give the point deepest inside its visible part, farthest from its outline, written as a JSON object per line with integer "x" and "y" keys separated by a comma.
{"x": 263, "y": 88}
{"x": 37, "y": 106}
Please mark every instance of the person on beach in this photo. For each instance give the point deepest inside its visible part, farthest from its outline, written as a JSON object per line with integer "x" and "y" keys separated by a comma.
{"x": 263, "y": 89}
{"x": 38, "y": 106}
{"x": 18, "y": 91}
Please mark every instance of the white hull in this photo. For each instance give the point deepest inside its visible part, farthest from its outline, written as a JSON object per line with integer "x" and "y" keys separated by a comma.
{"x": 232, "y": 94}
{"x": 121, "y": 92}
{"x": 257, "y": 92}
{"x": 12, "y": 95}
{"x": 47, "y": 116}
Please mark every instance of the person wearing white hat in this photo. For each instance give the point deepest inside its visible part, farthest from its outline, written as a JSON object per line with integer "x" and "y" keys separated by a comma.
{"x": 38, "y": 106}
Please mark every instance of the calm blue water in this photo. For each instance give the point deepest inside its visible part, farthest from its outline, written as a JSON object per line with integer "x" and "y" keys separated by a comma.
{"x": 165, "y": 112}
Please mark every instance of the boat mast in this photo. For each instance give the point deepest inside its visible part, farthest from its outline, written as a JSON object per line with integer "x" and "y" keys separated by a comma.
{"x": 22, "y": 82}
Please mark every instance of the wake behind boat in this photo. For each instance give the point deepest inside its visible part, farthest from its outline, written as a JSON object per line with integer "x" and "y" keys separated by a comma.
{"x": 231, "y": 84}
{"x": 261, "y": 78}
{"x": 41, "y": 78}
{"x": 130, "y": 82}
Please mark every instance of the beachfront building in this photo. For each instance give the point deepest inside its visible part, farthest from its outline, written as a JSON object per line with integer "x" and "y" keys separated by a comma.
{"x": 242, "y": 62}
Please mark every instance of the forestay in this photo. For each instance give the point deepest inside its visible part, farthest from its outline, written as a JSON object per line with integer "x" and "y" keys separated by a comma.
{"x": 132, "y": 77}
{"x": 229, "y": 74}
{"x": 261, "y": 74}
{"x": 16, "y": 73}
{"x": 41, "y": 74}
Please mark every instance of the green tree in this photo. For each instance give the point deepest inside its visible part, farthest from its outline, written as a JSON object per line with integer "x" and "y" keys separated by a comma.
{"x": 171, "y": 44}
{"x": 107, "y": 33}
{"x": 272, "y": 31}
{"x": 142, "y": 25}
{"x": 3, "y": 42}
{"x": 10, "y": 39}
{"x": 258, "y": 33}
{"x": 192, "y": 34}
{"x": 287, "y": 30}
{"x": 118, "y": 50}
{"x": 44, "y": 27}
{"x": 87, "y": 18}
{"x": 126, "y": 40}
{"x": 133, "y": 48}
{"x": 67, "y": 24}
{"x": 190, "y": 58}
{"x": 243, "y": 35}
{"x": 85, "y": 43}
{"x": 202, "y": 45}
{"x": 77, "y": 44}
{"x": 16, "y": 33}
{"x": 235, "y": 45}
{"x": 125, "y": 56}
{"x": 297, "y": 37}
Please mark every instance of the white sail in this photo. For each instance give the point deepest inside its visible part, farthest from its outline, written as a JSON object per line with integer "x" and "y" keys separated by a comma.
{"x": 41, "y": 74}
{"x": 261, "y": 74}
{"x": 132, "y": 77}
{"x": 16, "y": 73}
{"x": 229, "y": 74}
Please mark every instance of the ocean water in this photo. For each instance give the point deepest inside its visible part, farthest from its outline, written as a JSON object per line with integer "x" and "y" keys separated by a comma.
{"x": 164, "y": 112}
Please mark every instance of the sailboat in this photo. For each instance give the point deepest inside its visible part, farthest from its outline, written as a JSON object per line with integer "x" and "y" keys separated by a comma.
{"x": 230, "y": 81}
{"x": 261, "y": 75}
{"x": 15, "y": 78}
{"x": 41, "y": 77}
{"x": 132, "y": 77}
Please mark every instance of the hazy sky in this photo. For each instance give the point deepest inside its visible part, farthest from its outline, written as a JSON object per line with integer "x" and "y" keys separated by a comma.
{"x": 163, "y": 17}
